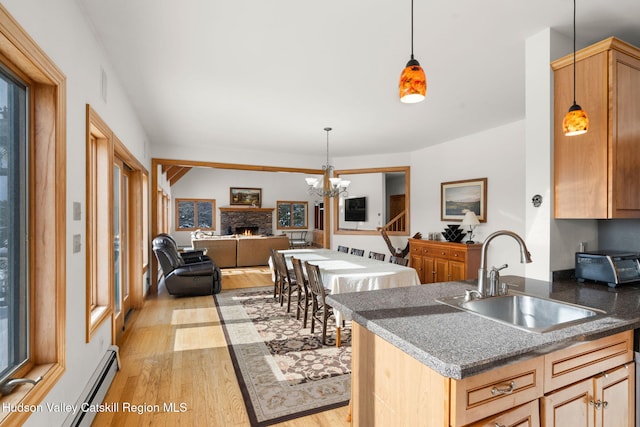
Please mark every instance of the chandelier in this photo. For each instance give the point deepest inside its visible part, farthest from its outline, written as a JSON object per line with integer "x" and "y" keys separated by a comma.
{"x": 337, "y": 187}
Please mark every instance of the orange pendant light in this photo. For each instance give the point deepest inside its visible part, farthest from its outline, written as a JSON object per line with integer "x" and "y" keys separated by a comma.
{"x": 413, "y": 82}
{"x": 576, "y": 122}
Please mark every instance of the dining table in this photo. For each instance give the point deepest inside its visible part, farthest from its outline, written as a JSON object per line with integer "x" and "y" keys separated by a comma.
{"x": 342, "y": 273}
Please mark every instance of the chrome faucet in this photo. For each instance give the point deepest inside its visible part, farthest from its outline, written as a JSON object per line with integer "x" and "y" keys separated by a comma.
{"x": 491, "y": 289}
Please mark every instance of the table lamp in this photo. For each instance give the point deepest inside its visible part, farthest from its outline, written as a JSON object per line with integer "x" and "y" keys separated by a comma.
{"x": 470, "y": 220}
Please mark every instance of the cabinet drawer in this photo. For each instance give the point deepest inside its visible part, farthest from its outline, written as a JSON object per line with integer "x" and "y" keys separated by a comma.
{"x": 492, "y": 392}
{"x": 440, "y": 252}
{"x": 415, "y": 249}
{"x": 457, "y": 255}
{"x": 527, "y": 415}
{"x": 584, "y": 360}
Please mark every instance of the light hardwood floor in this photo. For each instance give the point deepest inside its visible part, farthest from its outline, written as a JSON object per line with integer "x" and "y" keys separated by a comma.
{"x": 174, "y": 351}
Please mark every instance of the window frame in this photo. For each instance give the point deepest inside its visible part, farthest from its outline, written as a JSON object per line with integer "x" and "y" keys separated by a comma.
{"x": 195, "y": 214}
{"x": 47, "y": 214}
{"x": 99, "y": 222}
{"x": 291, "y": 203}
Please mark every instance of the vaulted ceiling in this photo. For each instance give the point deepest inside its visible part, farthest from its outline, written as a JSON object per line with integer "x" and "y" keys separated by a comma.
{"x": 270, "y": 75}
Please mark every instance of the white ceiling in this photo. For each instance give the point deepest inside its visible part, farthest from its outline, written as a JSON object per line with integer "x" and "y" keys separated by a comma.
{"x": 259, "y": 74}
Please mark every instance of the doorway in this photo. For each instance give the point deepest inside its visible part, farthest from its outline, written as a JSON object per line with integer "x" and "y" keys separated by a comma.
{"x": 121, "y": 245}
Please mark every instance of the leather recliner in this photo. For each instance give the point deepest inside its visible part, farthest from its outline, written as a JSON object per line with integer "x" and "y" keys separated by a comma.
{"x": 189, "y": 256}
{"x": 196, "y": 277}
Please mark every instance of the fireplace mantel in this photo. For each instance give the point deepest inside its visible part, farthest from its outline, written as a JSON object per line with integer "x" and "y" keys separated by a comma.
{"x": 247, "y": 209}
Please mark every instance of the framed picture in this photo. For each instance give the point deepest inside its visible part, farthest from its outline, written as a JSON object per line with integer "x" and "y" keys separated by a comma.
{"x": 245, "y": 196}
{"x": 458, "y": 196}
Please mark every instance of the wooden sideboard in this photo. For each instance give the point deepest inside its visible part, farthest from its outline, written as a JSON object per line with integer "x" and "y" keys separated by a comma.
{"x": 439, "y": 261}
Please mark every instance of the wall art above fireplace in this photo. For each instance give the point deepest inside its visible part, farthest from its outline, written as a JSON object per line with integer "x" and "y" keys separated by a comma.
{"x": 245, "y": 196}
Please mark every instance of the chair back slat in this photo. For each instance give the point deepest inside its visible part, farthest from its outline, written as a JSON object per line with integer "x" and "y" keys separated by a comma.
{"x": 399, "y": 260}
{"x": 357, "y": 252}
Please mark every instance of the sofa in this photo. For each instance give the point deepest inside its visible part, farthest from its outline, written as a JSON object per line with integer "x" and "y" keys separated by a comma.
{"x": 222, "y": 250}
{"x": 240, "y": 251}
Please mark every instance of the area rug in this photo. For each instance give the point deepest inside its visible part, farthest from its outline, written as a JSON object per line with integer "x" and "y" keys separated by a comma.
{"x": 283, "y": 370}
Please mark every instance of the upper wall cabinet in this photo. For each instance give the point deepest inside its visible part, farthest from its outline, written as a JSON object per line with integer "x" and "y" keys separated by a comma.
{"x": 597, "y": 174}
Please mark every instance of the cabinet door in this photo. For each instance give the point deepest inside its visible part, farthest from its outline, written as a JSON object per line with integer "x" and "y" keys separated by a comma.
{"x": 457, "y": 270}
{"x": 428, "y": 265}
{"x": 625, "y": 136}
{"x": 523, "y": 416}
{"x": 441, "y": 270}
{"x": 614, "y": 397}
{"x": 418, "y": 265}
{"x": 569, "y": 406}
{"x": 581, "y": 161}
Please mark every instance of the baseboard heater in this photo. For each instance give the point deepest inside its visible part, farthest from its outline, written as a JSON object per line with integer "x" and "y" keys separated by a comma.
{"x": 95, "y": 391}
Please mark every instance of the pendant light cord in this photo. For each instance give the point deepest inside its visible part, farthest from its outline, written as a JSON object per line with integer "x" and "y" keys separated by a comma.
{"x": 412, "y": 28}
{"x": 574, "y": 52}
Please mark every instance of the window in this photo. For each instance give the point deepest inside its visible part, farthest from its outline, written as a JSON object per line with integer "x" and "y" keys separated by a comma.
{"x": 195, "y": 214}
{"x": 14, "y": 259}
{"x": 292, "y": 214}
{"x": 33, "y": 182}
{"x": 99, "y": 217}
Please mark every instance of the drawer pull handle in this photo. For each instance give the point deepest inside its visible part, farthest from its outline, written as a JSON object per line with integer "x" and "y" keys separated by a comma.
{"x": 500, "y": 425}
{"x": 496, "y": 390}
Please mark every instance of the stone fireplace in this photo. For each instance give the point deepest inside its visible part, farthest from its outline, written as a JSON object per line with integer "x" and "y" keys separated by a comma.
{"x": 253, "y": 221}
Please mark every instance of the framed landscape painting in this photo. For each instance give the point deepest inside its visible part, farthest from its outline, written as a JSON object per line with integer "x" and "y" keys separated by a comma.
{"x": 245, "y": 196}
{"x": 458, "y": 196}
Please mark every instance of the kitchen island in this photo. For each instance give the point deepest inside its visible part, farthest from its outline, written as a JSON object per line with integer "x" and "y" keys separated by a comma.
{"x": 428, "y": 352}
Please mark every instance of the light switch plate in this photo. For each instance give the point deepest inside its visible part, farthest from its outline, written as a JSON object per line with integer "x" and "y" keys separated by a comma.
{"x": 77, "y": 211}
{"x": 77, "y": 243}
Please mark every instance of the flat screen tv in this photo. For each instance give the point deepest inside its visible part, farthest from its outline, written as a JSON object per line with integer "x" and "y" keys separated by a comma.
{"x": 355, "y": 209}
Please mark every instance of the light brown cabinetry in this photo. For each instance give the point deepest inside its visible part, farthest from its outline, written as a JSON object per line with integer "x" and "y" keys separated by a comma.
{"x": 597, "y": 174}
{"x": 527, "y": 415}
{"x": 601, "y": 401}
{"x": 437, "y": 261}
{"x": 590, "y": 384}
{"x": 389, "y": 387}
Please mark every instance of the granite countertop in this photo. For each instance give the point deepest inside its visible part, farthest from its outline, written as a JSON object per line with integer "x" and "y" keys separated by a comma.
{"x": 458, "y": 344}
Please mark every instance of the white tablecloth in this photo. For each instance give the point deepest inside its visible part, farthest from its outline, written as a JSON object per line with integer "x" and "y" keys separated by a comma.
{"x": 342, "y": 273}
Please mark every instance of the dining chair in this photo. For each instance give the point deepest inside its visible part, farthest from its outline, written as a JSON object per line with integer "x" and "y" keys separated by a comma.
{"x": 376, "y": 255}
{"x": 343, "y": 249}
{"x": 399, "y": 260}
{"x": 298, "y": 239}
{"x": 357, "y": 252}
{"x": 287, "y": 283}
{"x": 304, "y": 294}
{"x": 320, "y": 310}
{"x": 277, "y": 281}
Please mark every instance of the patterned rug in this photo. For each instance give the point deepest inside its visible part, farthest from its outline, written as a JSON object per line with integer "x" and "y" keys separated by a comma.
{"x": 283, "y": 370}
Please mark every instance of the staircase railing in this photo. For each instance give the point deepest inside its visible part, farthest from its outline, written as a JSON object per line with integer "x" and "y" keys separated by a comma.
{"x": 397, "y": 223}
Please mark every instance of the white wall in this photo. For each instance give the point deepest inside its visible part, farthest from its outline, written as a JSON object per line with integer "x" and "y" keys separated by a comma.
{"x": 496, "y": 154}
{"x": 61, "y": 31}
{"x": 208, "y": 183}
{"x": 551, "y": 242}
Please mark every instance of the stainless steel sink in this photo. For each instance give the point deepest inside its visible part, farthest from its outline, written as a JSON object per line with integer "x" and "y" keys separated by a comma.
{"x": 526, "y": 312}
